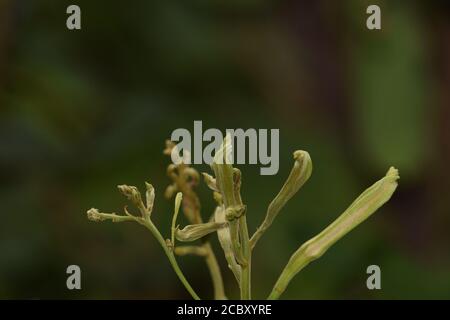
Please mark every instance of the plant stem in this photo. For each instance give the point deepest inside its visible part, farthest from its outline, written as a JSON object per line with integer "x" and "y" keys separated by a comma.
{"x": 190, "y": 250}
{"x": 210, "y": 258}
{"x": 297, "y": 262}
{"x": 214, "y": 270}
{"x": 246, "y": 250}
{"x": 247, "y": 254}
{"x": 149, "y": 225}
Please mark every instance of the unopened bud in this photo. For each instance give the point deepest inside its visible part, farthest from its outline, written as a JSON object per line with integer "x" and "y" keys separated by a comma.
{"x": 94, "y": 215}
{"x": 362, "y": 208}
{"x": 149, "y": 197}
{"x": 131, "y": 192}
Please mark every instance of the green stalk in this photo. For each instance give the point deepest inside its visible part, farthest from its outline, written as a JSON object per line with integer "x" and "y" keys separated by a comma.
{"x": 362, "y": 208}
{"x": 247, "y": 254}
{"x": 214, "y": 271}
{"x": 169, "y": 253}
{"x": 94, "y": 215}
{"x": 244, "y": 238}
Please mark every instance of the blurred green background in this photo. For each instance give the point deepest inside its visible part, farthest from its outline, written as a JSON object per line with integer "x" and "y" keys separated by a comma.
{"x": 83, "y": 111}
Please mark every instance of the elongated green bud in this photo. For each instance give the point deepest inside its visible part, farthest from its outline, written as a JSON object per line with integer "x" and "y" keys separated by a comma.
{"x": 194, "y": 232}
{"x": 300, "y": 173}
{"x": 223, "y": 171}
{"x": 178, "y": 199}
{"x": 362, "y": 208}
{"x": 149, "y": 198}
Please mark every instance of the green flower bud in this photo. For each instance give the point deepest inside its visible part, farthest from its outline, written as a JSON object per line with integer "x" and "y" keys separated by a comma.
{"x": 178, "y": 199}
{"x": 300, "y": 173}
{"x": 149, "y": 197}
{"x": 362, "y": 208}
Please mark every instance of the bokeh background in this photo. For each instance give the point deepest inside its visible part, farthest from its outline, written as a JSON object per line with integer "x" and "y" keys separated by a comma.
{"x": 83, "y": 111}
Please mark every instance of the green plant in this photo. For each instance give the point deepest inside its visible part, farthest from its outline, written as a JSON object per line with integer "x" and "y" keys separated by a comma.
{"x": 229, "y": 219}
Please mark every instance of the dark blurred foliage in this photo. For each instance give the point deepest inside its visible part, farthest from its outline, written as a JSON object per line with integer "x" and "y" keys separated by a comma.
{"x": 83, "y": 111}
